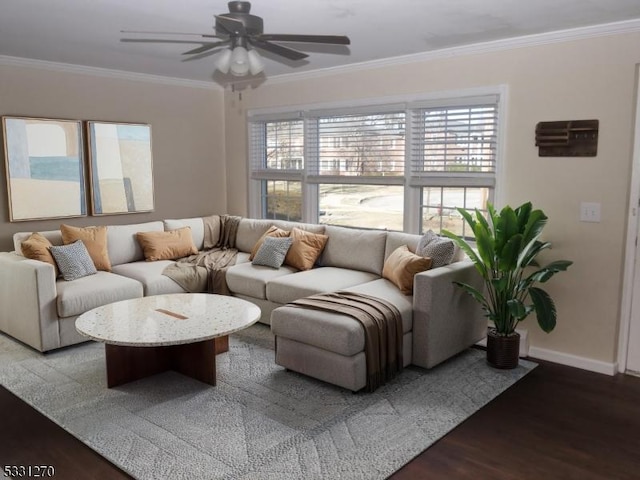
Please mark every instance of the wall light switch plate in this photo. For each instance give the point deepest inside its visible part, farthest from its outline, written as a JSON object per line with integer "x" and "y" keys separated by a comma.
{"x": 590, "y": 212}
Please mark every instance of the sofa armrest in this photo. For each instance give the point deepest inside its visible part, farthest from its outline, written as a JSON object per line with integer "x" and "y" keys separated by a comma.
{"x": 446, "y": 320}
{"x": 28, "y": 299}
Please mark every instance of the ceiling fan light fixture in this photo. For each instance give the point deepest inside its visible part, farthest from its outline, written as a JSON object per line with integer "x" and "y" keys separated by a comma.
{"x": 239, "y": 62}
{"x": 223, "y": 62}
{"x": 256, "y": 65}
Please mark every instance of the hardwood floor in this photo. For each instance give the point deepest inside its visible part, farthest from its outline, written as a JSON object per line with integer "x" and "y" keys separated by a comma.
{"x": 556, "y": 423}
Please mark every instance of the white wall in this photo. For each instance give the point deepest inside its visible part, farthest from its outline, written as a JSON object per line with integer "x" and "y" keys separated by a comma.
{"x": 581, "y": 79}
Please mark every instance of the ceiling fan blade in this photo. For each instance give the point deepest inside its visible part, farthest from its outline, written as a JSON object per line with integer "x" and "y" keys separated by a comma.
{"x": 205, "y": 47}
{"x": 286, "y": 52}
{"x": 204, "y": 35}
{"x": 330, "y": 39}
{"x": 158, "y": 40}
{"x": 234, "y": 27}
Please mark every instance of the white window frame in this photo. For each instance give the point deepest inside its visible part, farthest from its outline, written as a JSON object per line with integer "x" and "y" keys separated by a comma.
{"x": 412, "y": 189}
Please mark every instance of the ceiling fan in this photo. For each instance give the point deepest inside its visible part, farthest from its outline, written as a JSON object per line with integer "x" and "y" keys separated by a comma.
{"x": 240, "y": 34}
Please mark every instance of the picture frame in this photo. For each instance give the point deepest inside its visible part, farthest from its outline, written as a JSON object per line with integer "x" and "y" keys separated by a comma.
{"x": 120, "y": 167}
{"x": 44, "y": 165}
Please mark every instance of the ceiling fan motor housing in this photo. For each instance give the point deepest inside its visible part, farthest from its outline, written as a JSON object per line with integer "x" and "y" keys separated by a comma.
{"x": 239, "y": 11}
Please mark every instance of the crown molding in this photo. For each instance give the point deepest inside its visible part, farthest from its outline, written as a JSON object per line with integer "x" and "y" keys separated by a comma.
{"x": 559, "y": 36}
{"x": 6, "y": 60}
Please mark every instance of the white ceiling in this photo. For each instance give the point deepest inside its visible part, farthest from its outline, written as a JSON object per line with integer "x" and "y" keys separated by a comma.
{"x": 87, "y": 32}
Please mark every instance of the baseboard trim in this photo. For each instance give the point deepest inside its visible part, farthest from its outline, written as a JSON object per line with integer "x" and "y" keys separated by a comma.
{"x": 573, "y": 361}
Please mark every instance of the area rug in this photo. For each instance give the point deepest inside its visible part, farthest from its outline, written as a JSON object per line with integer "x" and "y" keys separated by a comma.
{"x": 259, "y": 422}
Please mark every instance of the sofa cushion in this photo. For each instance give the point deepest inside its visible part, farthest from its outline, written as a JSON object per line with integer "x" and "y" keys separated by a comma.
{"x": 288, "y": 288}
{"x": 307, "y": 227}
{"x": 354, "y": 249}
{"x": 197, "y": 229}
{"x": 122, "y": 244}
{"x": 273, "y": 231}
{"x": 402, "y": 266}
{"x": 334, "y": 332}
{"x": 38, "y": 247}
{"x": 397, "y": 239}
{"x": 251, "y": 280}
{"x": 169, "y": 245}
{"x": 384, "y": 289}
{"x": 439, "y": 249}
{"x": 149, "y": 274}
{"x": 79, "y": 296}
{"x": 54, "y": 236}
{"x": 305, "y": 249}
{"x": 94, "y": 238}
{"x": 272, "y": 252}
{"x": 249, "y": 232}
{"x": 73, "y": 260}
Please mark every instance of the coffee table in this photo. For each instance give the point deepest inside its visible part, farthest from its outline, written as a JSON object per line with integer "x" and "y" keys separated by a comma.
{"x": 182, "y": 332}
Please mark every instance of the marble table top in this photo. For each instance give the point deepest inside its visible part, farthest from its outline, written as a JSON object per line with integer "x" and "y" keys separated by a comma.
{"x": 172, "y": 319}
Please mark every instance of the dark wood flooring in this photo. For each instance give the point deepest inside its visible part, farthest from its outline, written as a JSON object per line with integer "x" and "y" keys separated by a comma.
{"x": 556, "y": 423}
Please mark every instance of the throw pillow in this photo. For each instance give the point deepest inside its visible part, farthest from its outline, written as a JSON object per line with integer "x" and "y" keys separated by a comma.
{"x": 169, "y": 245}
{"x": 272, "y": 252}
{"x": 305, "y": 249}
{"x": 439, "y": 249}
{"x": 272, "y": 232}
{"x": 95, "y": 241}
{"x": 37, "y": 247}
{"x": 73, "y": 260}
{"x": 401, "y": 267}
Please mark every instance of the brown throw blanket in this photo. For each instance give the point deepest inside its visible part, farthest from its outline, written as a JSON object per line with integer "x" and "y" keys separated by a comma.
{"x": 382, "y": 323}
{"x": 206, "y": 270}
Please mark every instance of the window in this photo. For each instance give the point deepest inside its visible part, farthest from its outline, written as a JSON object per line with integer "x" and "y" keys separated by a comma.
{"x": 365, "y": 206}
{"x": 282, "y": 200}
{"x": 401, "y": 166}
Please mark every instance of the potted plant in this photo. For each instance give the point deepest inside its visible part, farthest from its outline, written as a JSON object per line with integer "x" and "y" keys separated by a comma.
{"x": 507, "y": 245}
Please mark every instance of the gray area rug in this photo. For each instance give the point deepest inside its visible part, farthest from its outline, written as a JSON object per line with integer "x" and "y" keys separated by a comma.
{"x": 259, "y": 422}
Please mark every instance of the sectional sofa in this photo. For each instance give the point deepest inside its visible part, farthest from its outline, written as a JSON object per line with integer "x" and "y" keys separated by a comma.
{"x": 438, "y": 320}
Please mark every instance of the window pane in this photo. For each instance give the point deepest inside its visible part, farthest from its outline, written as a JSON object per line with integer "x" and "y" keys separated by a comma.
{"x": 284, "y": 145}
{"x": 439, "y": 208}
{"x": 282, "y": 200}
{"x": 361, "y": 145}
{"x": 366, "y": 206}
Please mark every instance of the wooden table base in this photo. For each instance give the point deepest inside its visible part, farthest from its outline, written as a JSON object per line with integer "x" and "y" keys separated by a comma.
{"x": 197, "y": 360}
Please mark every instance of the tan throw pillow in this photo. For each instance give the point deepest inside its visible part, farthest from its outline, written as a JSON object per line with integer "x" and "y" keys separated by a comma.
{"x": 272, "y": 232}
{"x": 305, "y": 249}
{"x": 38, "y": 247}
{"x": 94, "y": 238}
{"x": 401, "y": 266}
{"x": 169, "y": 245}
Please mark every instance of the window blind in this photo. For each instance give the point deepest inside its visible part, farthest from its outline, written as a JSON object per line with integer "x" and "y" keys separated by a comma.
{"x": 371, "y": 145}
{"x": 276, "y": 145}
{"x": 455, "y": 142}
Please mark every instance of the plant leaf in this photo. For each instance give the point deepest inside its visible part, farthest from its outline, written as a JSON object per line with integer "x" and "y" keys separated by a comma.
{"x": 536, "y": 222}
{"x": 548, "y": 271}
{"x": 484, "y": 242}
{"x": 468, "y": 218}
{"x": 508, "y": 258}
{"x": 506, "y": 227}
{"x": 523, "y": 212}
{"x": 517, "y": 309}
{"x": 531, "y": 251}
{"x": 544, "y": 307}
{"x": 476, "y": 294}
{"x": 462, "y": 243}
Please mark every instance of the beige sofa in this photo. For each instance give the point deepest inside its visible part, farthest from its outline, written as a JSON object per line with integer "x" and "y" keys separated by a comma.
{"x": 438, "y": 320}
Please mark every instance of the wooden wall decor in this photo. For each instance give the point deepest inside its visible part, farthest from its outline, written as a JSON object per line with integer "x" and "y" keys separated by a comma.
{"x": 567, "y": 138}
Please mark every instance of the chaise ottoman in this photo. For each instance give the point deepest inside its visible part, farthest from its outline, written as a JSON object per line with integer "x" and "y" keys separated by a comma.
{"x": 330, "y": 346}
